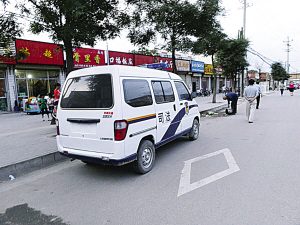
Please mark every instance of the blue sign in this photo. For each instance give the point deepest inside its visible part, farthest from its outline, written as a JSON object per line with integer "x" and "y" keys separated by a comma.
{"x": 158, "y": 66}
{"x": 197, "y": 67}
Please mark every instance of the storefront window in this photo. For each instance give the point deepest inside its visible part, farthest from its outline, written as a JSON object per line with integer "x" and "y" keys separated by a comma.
{"x": 53, "y": 74}
{"x": 20, "y": 74}
{"x": 36, "y": 74}
{"x": 36, "y": 82}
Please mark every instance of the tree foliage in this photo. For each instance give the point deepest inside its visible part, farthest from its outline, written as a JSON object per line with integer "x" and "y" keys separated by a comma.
{"x": 10, "y": 29}
{"x": 76, "y": 22}
{"x": 176, "y": 21}
{"x": 208, "y": 45}
{"x": 278, "y": 72}
{"x": 145, "y": 51}
{"x": 232, "y": 57}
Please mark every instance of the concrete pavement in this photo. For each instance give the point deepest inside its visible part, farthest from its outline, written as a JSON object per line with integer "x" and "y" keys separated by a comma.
{"x": 28, "y": 143}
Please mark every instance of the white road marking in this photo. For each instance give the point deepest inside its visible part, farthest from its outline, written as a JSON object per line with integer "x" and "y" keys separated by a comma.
{"x": 185, "y": 185}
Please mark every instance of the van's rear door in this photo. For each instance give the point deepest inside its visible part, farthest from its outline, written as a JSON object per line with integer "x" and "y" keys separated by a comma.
{"x": 86, "y": 114}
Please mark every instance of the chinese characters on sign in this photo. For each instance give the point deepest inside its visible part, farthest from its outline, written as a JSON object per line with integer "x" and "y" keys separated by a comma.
{"x": 208, "y": 69}
{"x": 182, "y": 65}
{"x": 143, "y": 59}
{"x": 40, "y": 52}
{"x": 167, "y": 61}
{"x": 119, "y": 58}
{"x": 197, "y": 67}
{"x": 86, "y": 57}
{"x": 164, "y": 117}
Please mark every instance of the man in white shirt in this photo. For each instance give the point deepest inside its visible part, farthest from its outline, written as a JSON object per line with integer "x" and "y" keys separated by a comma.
{"x": 259, "y": 94}
{"x": 250, "y": 94}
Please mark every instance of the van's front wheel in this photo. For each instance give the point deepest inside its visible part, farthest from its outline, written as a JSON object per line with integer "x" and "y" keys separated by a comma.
{"x": 194, "y": 133}
{"x": 145, "y": 157}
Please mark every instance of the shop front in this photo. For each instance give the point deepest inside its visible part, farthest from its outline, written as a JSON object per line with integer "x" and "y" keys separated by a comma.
{"x": 39, "y": 73}
{"x": 207, "y": 79}
{"x": 5, "y": 65}
{"x": 183, "y": 70}
{"x": 197, "y": 69}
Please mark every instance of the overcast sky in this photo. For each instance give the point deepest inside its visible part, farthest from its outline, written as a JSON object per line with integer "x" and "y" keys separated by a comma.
{"x": 269, "y": 23}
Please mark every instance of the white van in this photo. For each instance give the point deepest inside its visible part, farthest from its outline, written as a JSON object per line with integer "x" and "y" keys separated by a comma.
{"x": 121, "y": 114}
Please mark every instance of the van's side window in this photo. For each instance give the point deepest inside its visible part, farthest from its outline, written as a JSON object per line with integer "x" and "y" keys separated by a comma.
{"x": 183, "y": 93}
{"x": 163, "y": 91}
{"x": 137, "y": 92}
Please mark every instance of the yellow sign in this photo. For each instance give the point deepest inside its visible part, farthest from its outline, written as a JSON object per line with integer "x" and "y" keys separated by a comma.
{"x": 208, "y": 69}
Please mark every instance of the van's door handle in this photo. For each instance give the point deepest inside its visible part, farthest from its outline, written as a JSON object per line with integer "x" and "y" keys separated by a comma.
{"x": 83, "y": 120}
{"x": 174, "y": 106}
{"x": 181, "y": 103}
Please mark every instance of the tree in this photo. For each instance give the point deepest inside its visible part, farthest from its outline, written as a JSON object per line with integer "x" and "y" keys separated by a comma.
{"x": 278, "y": 72}
{"x": 232, "y": 58}
{"x": 174, "y": 20}
{"x": 145, "y": 51}
{"x": 10, "y": 30}
{"x": 209, "y": 45}
{"x": 76, "y": 22}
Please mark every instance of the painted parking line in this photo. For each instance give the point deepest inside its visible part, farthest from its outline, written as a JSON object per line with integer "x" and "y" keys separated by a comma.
{"x": 185, "y": 185}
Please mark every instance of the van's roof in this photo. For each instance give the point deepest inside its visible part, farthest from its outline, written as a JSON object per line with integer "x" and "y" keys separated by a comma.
{"x": 131, "y": 71}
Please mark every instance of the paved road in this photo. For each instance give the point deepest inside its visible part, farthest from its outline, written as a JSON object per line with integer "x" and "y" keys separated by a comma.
{"x": 235, "y": 173}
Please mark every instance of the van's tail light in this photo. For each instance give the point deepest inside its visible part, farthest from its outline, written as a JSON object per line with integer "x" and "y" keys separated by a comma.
{"x": 57, "y": 127}
{"x": 120, "y": 129}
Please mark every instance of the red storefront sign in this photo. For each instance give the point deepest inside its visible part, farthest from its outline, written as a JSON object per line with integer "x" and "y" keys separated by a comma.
{"x": 143, "y": 59}
{"x": 165, "y": 60}
{"x": 40, "y": 52}
{"x": 4, "y": 60}
{"x": 263, "y": 76}
{"x": 87, "y": 57}
{"x": 120, "y": 58}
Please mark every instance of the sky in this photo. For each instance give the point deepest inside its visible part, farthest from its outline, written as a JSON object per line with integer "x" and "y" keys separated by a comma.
{"x": 269, "y": 24}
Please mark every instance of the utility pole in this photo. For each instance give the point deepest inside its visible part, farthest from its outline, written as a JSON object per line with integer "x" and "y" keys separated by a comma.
{"x": 246, "y": 5}
{"x": 288, "y": 51}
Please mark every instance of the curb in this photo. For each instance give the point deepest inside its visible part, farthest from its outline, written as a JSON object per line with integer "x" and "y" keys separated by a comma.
{"x": 30, "y": 165}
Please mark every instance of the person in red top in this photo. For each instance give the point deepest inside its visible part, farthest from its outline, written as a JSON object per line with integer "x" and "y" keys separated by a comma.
{"x": 57, "y": 91}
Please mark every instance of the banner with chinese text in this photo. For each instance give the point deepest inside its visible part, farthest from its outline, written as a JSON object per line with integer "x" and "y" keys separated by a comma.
{"x": 197, "y": 67}
{"x": 143, "y": 59}
{"x": 87, "y": 57}
{"x": 165, "y": 60}
{"x": 182, "y": 65}
{"x": 120, "y": 58}
{"x": 40, "y": 52}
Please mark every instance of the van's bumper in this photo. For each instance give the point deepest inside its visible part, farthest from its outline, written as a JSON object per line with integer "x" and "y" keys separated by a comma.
{"x": 103, "y": 160}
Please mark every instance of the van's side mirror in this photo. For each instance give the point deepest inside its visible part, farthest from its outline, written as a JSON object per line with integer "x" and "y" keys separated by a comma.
{"x": 193, "y": 95}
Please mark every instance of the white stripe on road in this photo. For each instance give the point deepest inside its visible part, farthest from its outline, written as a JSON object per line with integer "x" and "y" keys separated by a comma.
{"x": 185, "y": 185}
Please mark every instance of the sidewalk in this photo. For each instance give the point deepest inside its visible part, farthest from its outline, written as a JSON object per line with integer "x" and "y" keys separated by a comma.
{"x": 27, "y": 143}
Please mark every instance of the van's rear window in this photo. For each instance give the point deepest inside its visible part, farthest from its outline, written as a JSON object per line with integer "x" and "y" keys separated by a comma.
{"x": 94, "y": 91}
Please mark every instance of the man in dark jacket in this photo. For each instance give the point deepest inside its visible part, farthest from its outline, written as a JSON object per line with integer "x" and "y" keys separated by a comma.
{"x": 233, "y": 98}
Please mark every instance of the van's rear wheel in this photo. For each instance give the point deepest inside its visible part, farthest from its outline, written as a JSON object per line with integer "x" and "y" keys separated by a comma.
{"x": 194, "y": 133}
{"x": 145, "y": 157}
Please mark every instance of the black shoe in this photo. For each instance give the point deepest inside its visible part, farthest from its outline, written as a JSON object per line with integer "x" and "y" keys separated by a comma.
{"x": 250, "y": 122}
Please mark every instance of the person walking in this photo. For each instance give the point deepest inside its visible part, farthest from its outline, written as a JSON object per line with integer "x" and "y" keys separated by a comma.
{"x": 233, "y": 98}
{"x": 291, "y": 89}
{"x": 281, "y": 87}
{"x": 43, "y": 105}
{"x": 250, "y": 94}
{"x": 259, "y": 94}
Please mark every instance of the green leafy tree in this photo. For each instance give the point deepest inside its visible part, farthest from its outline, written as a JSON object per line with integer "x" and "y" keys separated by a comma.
{"x": 278, "y": 72}
{"x": 10, "y": 30}
{"x": 76, "y": 22}
{"x": 174, "y": 20}
{"x": 232, "y": 58}
{"x": 144, "y": 51}
{"x": 209, "y": 45}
